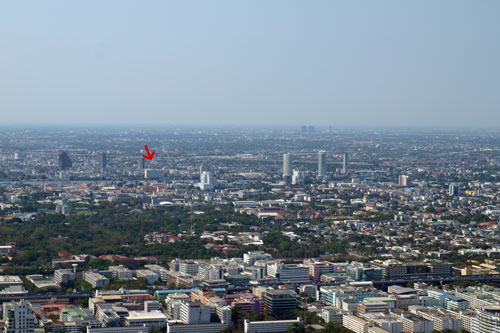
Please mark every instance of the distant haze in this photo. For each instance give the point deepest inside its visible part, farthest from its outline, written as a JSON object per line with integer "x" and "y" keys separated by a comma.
{"x": 394, "y": 63}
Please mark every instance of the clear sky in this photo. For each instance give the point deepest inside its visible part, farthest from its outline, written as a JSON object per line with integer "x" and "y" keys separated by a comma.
{"x": 383, "y": 63}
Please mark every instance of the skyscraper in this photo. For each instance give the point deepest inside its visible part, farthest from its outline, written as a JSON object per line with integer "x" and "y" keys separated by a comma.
{"x": 141, "y": 163}
{"x": 287, "y": 166}
{"x": 64, "y": 161}
{"x": 321, "y": 163}
{"x": 207, "y": 181}
{"x": 102, "y": 161}
{"x": 453, "y": 190}
{"x": 297, "y": 177}
{"x": 345, "y": 163}
{"x": 203, "y": 167}
{"x": 403, "y": 180}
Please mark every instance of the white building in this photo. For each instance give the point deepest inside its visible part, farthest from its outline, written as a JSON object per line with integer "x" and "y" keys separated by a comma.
{"x": 332, "y": 314}
{"x": 287, "y": 166}
{"x": 150, "y": 276}
{"x": 188, "y": 267}
{"x": 10, "y": 280}
{"x": 161, "y": 271}
{"x": 150, "y": 306}
{"x": 212, "y": 272}
{"x": 269, "y": 326}
{"x": 412, "y": 322}
{"x": 121, "y": 272}
{"x": 178, "y": 327}
{"x": 345, "y": 163}
{"x": 251, "y": 257}
{"x": 487, "y": 320}
{"x": 288, "y": 272}
{"x": 355, "y": 324}
{"x": 194, "y": 313}
{"x": 153, "y": 319}
{"x": 97, "y": 280}
{"x": 154, "y": 173}
{"x": 64, "y": 276}
{"x": 321, "y": 163}
{"x": 207, "y": 181}
{"x": 19, "y": 317}
{"x": 122, "y": 329}
{"x": 442, "y": 319}
{"x": 224, "y": 314}
{"x": 298, "y": 177}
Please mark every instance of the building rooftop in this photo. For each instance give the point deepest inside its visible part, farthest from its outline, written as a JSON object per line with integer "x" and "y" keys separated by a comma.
{"x": 140, "y": 315}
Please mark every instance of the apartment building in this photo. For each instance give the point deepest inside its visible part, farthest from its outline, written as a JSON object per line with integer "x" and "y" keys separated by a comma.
{"x": 442, "y": 319}
{"x": 355, "y": 324}
{"x": 413, "y": 323}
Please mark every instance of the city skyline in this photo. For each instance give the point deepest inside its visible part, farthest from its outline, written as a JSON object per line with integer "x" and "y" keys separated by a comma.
{"x": 250, "y": 166}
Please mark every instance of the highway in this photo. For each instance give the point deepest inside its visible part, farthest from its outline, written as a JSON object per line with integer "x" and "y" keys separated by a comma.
{"x": 43, "y": 296}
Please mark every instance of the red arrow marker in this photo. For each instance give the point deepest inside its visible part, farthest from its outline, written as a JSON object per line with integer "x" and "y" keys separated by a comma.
{"x": 150, "y": 156}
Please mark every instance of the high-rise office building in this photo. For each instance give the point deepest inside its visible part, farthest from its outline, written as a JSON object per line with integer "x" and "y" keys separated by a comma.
{"x": 453, "y": 190}
{"x": 298, "y": 177}
{"x": 321, "y": 163}
{"x": 141, "y": 163}
{"x": 19, "y": 317}
{"x": 287, "y": 166}
{"x": 102, "y": 161}
{"x": 403, "y": 180}
{"x": 280, "y": 301}
{"x": 207, "y": 181}
{"x": 345, "y": 163}
{"x": 203, "y": 168}
{"x": 64, "y": 161}
{"x": 154, "y": 173}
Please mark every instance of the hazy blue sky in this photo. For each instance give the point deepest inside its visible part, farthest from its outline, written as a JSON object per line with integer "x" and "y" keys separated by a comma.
{"x": 433, "y": 62}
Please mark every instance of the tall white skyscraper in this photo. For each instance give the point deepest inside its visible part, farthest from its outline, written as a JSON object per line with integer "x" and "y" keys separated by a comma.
{"x": 321, "y": 163}
{"x": 345, "y": 163}
{"x": 207, "y": 181}
{"x": 203, "y": 167}
{"x": 287, "y": 166}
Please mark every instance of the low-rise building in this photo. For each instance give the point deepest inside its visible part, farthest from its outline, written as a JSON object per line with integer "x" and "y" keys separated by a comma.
{"x": 355, "y": 324}
{"x": 95, "y": 279}
{"x": 269, "y": 326}
{"x": 153, "y": 319}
